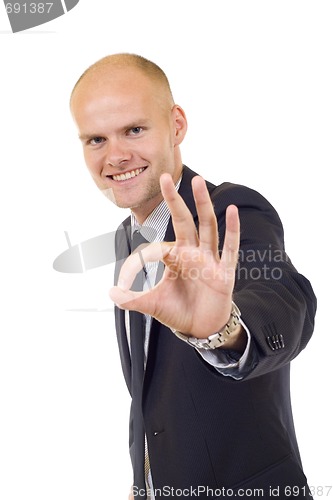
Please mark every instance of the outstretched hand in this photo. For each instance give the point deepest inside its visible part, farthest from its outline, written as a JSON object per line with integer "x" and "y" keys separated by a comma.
{"x": 195, "y": 293}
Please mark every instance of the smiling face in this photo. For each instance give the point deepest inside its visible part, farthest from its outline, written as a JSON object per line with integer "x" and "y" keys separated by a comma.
{"x": 130, "y": 131}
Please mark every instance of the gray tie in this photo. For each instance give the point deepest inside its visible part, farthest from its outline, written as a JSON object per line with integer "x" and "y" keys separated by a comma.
{"x": 137, "y": 334}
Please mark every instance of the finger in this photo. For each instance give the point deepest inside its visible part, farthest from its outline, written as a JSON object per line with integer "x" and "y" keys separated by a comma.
{"x": 208, "y": 231}
{"x": 152, "y": 252}
{"x": 230, "y": 249}
{"x": 182, "y": 220}
{"x": 143, "y": 302}
{"x": 126, "y": 299}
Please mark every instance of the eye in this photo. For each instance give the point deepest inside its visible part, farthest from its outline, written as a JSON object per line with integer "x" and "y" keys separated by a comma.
{"x": 135, "y": 130}
{"x": 96, "y": 140}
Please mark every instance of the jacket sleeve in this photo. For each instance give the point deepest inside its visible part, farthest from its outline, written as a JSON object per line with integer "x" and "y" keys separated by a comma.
{"x": 277, "y": 303}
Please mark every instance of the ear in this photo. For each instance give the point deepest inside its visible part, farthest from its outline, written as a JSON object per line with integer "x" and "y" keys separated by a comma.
{"x": 180, "y": 124}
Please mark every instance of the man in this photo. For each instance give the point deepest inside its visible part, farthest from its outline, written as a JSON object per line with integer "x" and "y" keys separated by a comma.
{"x": 205, "y": 352}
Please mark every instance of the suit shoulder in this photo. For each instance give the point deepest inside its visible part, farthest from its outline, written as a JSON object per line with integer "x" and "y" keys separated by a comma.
{"x": 242, "y": 196}
{"x": 254, "y": 209}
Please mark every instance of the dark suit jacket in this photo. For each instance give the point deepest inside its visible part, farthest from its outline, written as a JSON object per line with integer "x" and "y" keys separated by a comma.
{"x": 206, "y": 431}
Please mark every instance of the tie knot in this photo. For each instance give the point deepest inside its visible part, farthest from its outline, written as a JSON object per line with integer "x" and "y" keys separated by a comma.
{"x": 137, "y": 240}
{"x": 143, "y": 234}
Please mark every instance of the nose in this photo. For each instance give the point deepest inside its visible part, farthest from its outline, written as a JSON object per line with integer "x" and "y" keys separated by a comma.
{"x": 117, "y": 153}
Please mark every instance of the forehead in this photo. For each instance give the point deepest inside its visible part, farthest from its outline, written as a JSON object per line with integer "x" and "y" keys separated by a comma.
{"x": 105, "y": 102}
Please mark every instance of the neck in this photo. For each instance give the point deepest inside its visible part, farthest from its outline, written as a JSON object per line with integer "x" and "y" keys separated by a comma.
{"x": 142, "y": 212}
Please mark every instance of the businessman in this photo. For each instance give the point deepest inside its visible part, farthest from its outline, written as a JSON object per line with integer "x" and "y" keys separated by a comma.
{"x": 209, "y": 312}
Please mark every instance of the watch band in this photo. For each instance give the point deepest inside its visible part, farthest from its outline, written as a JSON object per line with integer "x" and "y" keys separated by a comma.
{"x": 216, "y": 339}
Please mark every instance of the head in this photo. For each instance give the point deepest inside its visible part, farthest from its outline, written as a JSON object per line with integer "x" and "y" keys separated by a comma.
{"x": 130, "y": 129}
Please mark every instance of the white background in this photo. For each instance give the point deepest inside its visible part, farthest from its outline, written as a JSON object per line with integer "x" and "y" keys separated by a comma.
{"x": 256, "y": 80}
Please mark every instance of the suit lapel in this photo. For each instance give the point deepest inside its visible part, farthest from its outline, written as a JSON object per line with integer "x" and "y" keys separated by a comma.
{"x": 122, "y": 252}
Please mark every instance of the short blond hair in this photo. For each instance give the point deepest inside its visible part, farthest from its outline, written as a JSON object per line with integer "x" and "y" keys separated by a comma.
{"x": 126, "y": 60}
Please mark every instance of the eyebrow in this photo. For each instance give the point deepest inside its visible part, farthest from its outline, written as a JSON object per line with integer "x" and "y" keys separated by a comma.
{"x": 85, "y": 137}
{"x": 134, "y": 123}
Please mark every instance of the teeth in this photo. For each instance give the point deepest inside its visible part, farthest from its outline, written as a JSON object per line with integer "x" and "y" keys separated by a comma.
{"x": 127, "y": 175}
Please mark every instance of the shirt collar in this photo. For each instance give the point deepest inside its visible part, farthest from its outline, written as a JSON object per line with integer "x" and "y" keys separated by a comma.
{"x": 155, "y": 226}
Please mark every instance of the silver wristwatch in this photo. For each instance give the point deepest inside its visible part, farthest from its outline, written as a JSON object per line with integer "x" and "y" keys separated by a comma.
{"x": 216, "y": 339}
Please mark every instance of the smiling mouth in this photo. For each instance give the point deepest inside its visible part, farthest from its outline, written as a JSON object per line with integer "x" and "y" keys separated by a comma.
{"x": 127, "y": 175}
